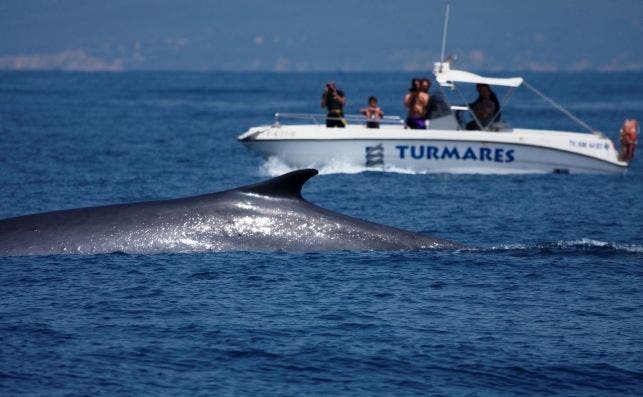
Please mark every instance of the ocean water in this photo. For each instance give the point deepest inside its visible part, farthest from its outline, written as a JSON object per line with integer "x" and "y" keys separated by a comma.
{"x": 549, "y": 300}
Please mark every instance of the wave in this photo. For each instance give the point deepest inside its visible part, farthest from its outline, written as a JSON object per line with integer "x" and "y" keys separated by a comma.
{"x": 584, "y": 245}
{"x": 276, "y": 167}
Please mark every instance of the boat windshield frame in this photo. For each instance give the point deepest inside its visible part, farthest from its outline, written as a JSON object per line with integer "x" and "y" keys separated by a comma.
{"x": 449, "y": 78}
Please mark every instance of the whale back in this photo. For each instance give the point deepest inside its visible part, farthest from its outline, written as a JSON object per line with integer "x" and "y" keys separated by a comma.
{"x": 266, "y": 216}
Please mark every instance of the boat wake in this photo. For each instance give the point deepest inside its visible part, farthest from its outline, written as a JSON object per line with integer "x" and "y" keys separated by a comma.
{"x": 275, "y": 167}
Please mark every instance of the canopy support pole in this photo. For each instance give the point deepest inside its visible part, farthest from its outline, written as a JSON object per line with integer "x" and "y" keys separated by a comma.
{"x": 471, "y": 112}
{"x": 560, "y": 108}
{"x": 502, "y": 104}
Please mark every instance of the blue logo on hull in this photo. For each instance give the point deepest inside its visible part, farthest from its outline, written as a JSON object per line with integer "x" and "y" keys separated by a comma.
{"x": 419, "y": 152}
{"x": 374, "y": 155}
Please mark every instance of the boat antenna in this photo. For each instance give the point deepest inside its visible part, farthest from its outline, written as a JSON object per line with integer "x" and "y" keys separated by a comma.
{"x": 444, "y": 32}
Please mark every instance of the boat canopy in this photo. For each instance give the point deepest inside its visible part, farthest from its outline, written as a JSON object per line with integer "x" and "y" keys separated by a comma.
{"x": 459, "y": 76}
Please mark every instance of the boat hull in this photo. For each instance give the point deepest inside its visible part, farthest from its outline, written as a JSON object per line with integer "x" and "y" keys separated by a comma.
{"x": 435, "y": 152}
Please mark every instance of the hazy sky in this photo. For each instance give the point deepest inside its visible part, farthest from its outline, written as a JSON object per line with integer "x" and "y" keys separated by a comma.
{"x": 319, "y": 35}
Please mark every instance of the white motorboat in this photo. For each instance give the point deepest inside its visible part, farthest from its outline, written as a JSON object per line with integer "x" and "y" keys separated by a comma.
{"x": 446, "y": 146}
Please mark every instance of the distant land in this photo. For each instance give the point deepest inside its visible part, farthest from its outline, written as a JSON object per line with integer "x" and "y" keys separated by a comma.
{"x": 334, "y": 35}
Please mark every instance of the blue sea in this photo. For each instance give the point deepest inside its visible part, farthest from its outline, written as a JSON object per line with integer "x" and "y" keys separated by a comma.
{"x": 548, "y": 301}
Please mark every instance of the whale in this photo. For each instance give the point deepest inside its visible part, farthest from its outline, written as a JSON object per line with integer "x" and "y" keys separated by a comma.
{"x": 266, "y": 216}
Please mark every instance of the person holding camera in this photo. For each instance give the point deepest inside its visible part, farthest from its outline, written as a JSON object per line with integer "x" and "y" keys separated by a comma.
{"x": 333, "y": 100}
{"x": 416, "y": 101}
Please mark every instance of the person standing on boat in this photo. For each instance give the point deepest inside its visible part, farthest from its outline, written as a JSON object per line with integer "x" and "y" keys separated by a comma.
{"x": 373, "y": 113}
{"x": 629, "y": 136}
{"x": 437, "y": 106}
{"x": 333, "y": 100}
{"x": 485, "y": 108}
{"x": 416, "y": 101}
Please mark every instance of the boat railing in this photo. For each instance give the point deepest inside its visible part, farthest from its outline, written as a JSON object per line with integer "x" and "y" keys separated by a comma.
{"x": 320, "y": 119}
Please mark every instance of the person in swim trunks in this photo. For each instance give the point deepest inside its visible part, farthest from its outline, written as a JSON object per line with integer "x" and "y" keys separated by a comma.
{"x": 416, "y": 101}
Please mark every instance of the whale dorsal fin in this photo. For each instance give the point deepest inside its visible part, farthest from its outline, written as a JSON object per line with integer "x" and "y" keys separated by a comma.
{"x": 286, "y": 185}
